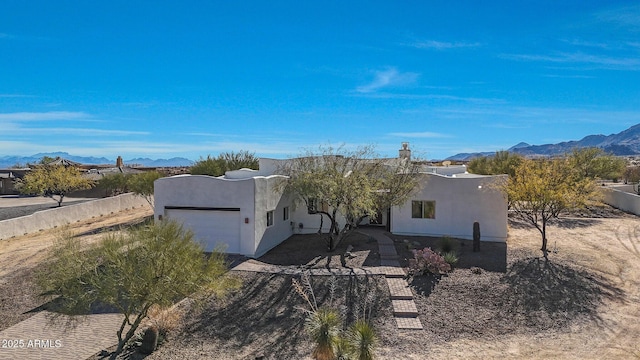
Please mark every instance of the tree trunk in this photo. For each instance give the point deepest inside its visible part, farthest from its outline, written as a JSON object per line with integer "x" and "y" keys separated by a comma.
{"x": 544, "y": 240}
{"x": 321, "y": 224}
{"x": 132, "y": 330}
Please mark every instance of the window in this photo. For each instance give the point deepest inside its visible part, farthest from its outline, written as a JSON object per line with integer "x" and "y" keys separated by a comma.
{"x": 285, "y": 213}
{"x": 423, "y": 209}
{"x": 269, "y": 218}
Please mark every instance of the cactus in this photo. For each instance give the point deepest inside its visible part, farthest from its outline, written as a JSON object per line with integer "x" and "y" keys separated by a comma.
{"x": 476, "y": 236}
{"x": 149, "y": 340}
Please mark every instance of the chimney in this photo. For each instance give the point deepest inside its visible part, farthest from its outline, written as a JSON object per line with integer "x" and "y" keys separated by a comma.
{"x": 405, "y": 152}
{"x": 119, "y": 162}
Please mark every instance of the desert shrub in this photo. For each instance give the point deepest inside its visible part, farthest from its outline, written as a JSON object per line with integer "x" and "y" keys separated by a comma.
{"x": 427, "y": 261}
{"x": 451, "y": 258}
{"x": 165, "y": 320}
{"x": 361, "y": 340}
{"x": 446, "y": 244}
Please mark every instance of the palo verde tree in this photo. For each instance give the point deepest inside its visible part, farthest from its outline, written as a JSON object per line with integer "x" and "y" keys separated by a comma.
{"x": 502, "y": 162}
{"x": 595, "y": 163}
{"x": 224, "y": 162}
{"x": 131, "y": 271}
{"x": 114, "y": 184}
{"x": 540, "y": 190}
{"x": 347, "y": 186}
{"x": 53, "y": 181}
{"x": 142, "y": 184}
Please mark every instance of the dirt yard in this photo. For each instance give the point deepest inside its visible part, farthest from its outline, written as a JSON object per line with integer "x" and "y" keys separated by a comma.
{"x": 20, "y": 257}
{"x": 582, "y": 304}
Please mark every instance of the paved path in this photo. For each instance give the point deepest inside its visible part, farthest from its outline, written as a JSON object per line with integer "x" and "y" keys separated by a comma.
{"x": 404, "y": 308}
{"x": 37, "y": 338}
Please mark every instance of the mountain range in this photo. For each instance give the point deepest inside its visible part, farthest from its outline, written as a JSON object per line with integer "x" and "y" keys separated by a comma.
{"x": 10, "y": 161}
{"x": 626, "y": 142}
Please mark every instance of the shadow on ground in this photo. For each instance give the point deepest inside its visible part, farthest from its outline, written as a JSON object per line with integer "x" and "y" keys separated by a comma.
{"x": 541, "y": 291}
{"x": 310, "y": 250}
{"x": 568, "y": 222}
{"x": 266, "y": 316}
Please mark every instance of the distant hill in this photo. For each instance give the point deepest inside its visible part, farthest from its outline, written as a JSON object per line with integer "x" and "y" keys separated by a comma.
{"x": 9, "y": 161}
{"x": 626, "y": 142}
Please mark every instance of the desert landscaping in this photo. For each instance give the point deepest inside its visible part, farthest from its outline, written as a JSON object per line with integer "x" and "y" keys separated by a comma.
{"x": 504, "y": 302}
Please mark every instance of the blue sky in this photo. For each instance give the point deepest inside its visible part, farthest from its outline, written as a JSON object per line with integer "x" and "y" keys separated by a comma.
{"x": 162, "y": 79}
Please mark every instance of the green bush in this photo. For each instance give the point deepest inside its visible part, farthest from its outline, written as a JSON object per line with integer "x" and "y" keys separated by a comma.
{"x": 447, "y": 245}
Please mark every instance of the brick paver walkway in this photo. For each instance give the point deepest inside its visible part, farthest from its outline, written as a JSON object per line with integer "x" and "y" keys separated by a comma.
{"x": 37, "y": 338}
{"x": 404, "y": 308}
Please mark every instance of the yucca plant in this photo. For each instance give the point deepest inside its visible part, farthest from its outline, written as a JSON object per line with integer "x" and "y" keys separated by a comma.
{"x": 323, "y": 325}
{"x": 451, "y": 258}
{"x": 362, "y": 340}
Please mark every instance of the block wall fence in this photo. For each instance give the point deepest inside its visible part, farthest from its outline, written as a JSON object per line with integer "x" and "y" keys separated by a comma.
{"x": 51, "y": 218}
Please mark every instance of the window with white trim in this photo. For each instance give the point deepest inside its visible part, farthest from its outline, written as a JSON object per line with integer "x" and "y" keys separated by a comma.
{"x": 285, "y": 213}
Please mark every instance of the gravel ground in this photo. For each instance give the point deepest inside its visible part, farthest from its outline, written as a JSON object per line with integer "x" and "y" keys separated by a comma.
{"x": 504, "y": 302}
{"x": 497, "y": 299}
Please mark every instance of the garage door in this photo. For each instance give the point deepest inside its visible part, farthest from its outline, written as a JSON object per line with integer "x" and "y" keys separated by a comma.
{"x": 211, "y": 227}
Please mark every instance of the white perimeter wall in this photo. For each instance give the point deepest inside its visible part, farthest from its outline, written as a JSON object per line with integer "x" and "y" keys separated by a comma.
{"x": 622, "y": 200}
{"x": 67, "y": 214}
{"x": 459, "y": 202}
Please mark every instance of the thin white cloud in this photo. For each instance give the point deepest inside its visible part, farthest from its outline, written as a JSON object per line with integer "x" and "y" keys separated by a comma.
{"x": 205, "y": 134}
{"x": 79, "y": 131}
{"x": 419, "y": 134}
{"x": 568, "y": 76}
{"x": 388, "y": 78}
{"x": 443, "y": 45}
{"x": 608, "y": 62}
{"x": 584, "y": 43}
{"x": 627, "y": 17}
{"x": 16, "y": 96}
{"x": 43, "y": 116}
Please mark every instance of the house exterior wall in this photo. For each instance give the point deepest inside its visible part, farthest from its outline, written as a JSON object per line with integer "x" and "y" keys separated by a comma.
{"x": 459, "y": 202}
{"x": 267, "y": 198}
{"x": 210, "y": 192}
{"x": 310, "y": 222}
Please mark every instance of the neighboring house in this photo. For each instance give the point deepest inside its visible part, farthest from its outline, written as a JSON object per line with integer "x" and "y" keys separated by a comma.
{"x": 242, "y": 211}
{"x": 8, "y": 179}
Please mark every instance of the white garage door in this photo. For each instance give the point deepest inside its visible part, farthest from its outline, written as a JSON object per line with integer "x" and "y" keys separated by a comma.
{"x": 211, "y": 227}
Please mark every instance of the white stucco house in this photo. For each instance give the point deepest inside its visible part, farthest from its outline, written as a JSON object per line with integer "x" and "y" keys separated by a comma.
{"x": 242, "y": 212}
